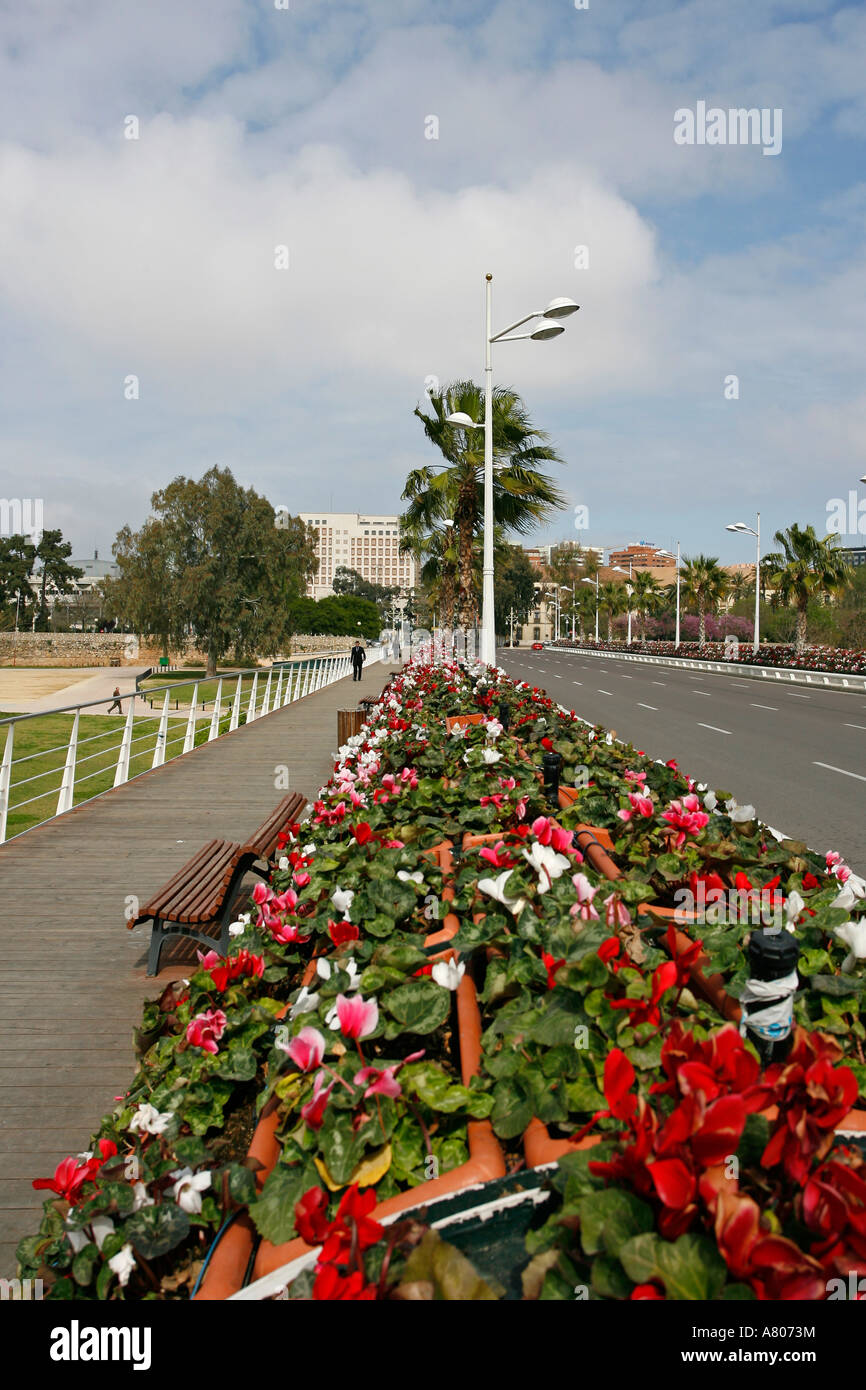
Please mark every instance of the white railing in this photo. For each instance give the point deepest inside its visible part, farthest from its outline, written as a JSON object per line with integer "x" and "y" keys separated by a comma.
{"x": 52, "y": 779}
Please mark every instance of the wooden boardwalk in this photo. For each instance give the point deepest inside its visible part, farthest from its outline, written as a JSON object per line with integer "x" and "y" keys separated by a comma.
{"x": 73, "y": 976}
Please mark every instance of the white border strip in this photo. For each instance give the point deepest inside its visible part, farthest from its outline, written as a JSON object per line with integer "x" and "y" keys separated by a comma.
{"x": 820, "y": 679}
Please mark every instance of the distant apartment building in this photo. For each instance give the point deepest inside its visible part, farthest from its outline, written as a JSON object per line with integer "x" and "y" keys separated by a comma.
{"x": 855, "y": 554}
{"x": 642, "y": 556}
{"x": 369, "y": 544}
{"x": 539, "y": 555}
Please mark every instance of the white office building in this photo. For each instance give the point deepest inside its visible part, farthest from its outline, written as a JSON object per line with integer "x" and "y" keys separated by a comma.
{"x": 368, "y": 543}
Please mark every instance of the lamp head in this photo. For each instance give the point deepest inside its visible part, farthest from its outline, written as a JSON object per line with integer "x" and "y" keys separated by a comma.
{"x": 560, "y": 309}
{"x": 463, "y": 420}
{"x": 546, "y": 329}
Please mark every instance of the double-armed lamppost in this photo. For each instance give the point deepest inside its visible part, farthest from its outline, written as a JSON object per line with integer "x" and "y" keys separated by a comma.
{"x": 743, "y": 529}
{"x": 549, "y": 327}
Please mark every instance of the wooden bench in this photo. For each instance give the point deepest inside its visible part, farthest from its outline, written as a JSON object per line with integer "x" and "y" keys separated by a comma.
{"x": 202, "y": 894}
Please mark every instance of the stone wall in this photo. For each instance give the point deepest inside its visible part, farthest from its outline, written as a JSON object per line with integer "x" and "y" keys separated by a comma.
{"x": 101, "y": 648}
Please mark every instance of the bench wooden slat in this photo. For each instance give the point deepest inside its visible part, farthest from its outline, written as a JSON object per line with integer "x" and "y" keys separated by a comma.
{"x": 264, "y": 840}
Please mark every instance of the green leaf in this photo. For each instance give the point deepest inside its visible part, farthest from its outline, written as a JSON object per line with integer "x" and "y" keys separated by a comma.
{"x": 690, "y": 1267}
{"x": 274, "y": 1212}
{"x": 512, "y": 1107}
{"x": 608, "y": 1219}
{"x": 156, "y": 1230}
{"x": 453, "y": 1277}
{"x": 419, "y": 1005}
{"x": 84, "y": 1264}
{"x": 608, "y": 1278}
{"x": 837, "y": 986}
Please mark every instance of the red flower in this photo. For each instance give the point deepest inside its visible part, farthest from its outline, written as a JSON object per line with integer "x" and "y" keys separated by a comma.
{"x": 362, "y": 832}
{"x": 546, "y": 744}
{"x": 341, "y": 932}
{"x": 551, "y": 966}
{"x": 311, "y": 1216}
{"x": 810, "y": 881}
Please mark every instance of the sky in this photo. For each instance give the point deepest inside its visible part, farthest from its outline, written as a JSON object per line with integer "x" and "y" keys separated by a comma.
{"x": 244, "y": 235}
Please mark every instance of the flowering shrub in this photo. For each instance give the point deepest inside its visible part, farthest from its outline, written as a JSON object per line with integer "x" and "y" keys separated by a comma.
{"x": 331, "y": 1010}
{"x": 837, "y": 660}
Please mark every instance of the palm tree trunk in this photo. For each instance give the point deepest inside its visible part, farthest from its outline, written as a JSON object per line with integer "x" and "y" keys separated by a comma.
{"x": 702, "y": 625}
{"x": 610, "y": 625}
{"x": 467, "y": 596}
{"x": 801, "y": 626}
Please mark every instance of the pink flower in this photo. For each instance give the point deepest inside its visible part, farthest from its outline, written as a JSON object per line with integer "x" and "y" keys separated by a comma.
{"x": 206, "y": 1029}
{"x": 583, "y": 908}
{"x": 639, "y": 777}
{"x": 615, "y": 912}
{"x": 286, "y": 902}
{"x": 358, "y": 1017}
{"x": 306, "y": 1049}
{"x": 382, "y": 1082}
{"x": 261, "y": 894}
{"x": 394, "y": 844}
{"x": 686, "y": 817}
{"x": 313, "y": 1113}
{"x": 302, "y": 879}
{"x": 639, "y": 805}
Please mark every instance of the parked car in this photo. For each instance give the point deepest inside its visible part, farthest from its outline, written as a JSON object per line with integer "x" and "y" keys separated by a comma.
{"x": 538, "y": 646}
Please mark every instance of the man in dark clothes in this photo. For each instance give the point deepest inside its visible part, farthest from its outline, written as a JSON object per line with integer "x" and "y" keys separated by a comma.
{"x": 116, "y": 701}
{"x": 359, "y": 656}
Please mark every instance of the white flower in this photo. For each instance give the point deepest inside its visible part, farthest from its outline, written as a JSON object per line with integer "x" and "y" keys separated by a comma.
{"x": 342, "y": 900}
{"x": 141, "y": 1197}
{"x": 794, "y": 905}
{"x": 493, "y": 728}
{"x": 495, "y": 888}
{"x": 188, "y": 1189}
{"x": 404, "y": 877}
{"x": 710, "y": 801}
{"x": 101, "y": 1226}
{"x": 740, "y": 814}
{"x": 854, "y": 935}
{"x": 546, "y": 863}
{"x": 239, "y": 927}
{"x": 490, "y": 755}
{"x": 283, "y": 862}
{"x": 148, "y": 1120}
{"x": 309, "y": 849}
{"x": 122, "y": 1264}
{"x": 306, "y": 1003}
{"x": 323, "y": 968}
{"x": 77, "y": 1239}
{"x": 448, "y": 973}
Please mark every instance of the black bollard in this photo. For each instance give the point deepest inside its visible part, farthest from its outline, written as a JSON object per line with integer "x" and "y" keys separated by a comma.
{"x": 552, "y": 764}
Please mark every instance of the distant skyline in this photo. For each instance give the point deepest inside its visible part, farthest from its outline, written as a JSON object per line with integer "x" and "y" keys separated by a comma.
{"x": 293, "y": 242}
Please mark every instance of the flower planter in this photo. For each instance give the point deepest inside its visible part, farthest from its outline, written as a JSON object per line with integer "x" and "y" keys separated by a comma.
{"x": 231, "y": 1259}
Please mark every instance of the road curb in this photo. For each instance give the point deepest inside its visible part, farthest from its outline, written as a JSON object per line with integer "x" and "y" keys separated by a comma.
{"x": 820, "y": 680}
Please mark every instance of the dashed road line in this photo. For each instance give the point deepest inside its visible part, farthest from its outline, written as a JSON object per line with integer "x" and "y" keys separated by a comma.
{"x": 844, "y": 771}
{"x": 715, "y": 729}
{"x": 643, "y": 706}
{"x": 774, "y": 708}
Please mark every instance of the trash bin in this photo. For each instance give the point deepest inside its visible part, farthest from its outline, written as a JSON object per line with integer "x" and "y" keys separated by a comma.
{"x": 349, "y": 722}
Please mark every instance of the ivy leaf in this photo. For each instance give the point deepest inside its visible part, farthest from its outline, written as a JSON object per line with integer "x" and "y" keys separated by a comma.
{"x": 237, "y": 1063}
{"x": 419, "y": 1005}
{"x": 156, "y": 1230}
{"x": 690, "y": 1267}
{"x": 609, "y": 1219}
{"x": 512, "y": 1107}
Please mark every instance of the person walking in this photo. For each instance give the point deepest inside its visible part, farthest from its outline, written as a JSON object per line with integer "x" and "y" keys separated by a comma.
{"x": 359, "y": 656}
{"x": 116, "y": 701}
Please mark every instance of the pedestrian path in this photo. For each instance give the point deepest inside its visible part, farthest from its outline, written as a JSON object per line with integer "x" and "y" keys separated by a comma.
{"x": 73, "y": 976}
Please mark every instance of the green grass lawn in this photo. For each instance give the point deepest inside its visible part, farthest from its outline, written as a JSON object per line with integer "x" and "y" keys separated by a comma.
{"x": 207, "y": 690}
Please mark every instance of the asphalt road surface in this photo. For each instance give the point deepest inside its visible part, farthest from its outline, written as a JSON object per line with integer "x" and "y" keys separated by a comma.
{"x": 797, "y": 755}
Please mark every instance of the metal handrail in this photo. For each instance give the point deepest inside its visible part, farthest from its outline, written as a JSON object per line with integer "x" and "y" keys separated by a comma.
{"x": 261, "y": 689}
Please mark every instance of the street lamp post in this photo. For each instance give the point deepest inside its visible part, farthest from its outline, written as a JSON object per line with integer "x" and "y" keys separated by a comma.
{"x": 743, "y": 529}
{"x": 678, "y": 594}
{"x": 548, "y": 328}
{"x": 589, "y": 581}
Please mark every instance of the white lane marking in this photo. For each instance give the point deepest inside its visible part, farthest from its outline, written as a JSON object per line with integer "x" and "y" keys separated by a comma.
{"x": 775, "y": 708}
{"x": 624, "y": 678}
{"x": 577, "y": 682}
{"x": 701, "y": 692}
{"x": 604, "y": 692}
{"x": 643, "y": 706}
{"x": 844, "y": 771}
{"x": 713, "y": 727}
{"x": 855, "y": 726}
{"x": 659, "y": 682}
{"x": 795, "y": 696}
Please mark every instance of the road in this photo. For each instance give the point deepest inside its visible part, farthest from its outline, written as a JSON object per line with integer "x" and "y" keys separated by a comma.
{"x": 798, "y": 756}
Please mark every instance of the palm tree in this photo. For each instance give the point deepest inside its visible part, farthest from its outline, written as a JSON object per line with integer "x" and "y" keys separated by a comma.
{"x": 645, "y": 597}
{"x": 436, "y": 554}
{"x": 523, "y": 496}
{"x": 612, "y": 598}
{"x": 805, "y": 567}
{"x": 739, "y": 585}
{"x": 705, "y": 583}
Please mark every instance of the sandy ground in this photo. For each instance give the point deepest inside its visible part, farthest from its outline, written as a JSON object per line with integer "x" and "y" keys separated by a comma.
{"x": 28, "y": 690}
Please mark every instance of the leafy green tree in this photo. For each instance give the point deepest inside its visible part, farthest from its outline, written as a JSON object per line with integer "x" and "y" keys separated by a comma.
{"x": 338, "y": 615}
{"x": 514, "y": 588}
{"x": 612, "y": 600}
{"x": 523, "y": 495}
{"x": 211, "y": 563}
{"x": 704, "y": 583}
{"x": 17, "y": 555}
{"x": 52, "y": 556}
{"x": 349, "y": 581}
{"x": 805, "y": 568}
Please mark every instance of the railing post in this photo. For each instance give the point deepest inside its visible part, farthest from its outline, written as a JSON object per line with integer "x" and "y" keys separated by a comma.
{"x": 122, "y": 773}
{"x": 6, "y": 780}
{"x": 251, "y": 707}
{"x": 161, "y": 734}
{"x": 266, "y": 702}
{"x": 215, "y": 717}
{"x": 189, "y": 737}
{"x": 236, "y": 705}
{"x": 306, "y": 681}
{"x": 278, "y": 698}
{"x": 67, "y": 786}
{"x": 290, "y": 685}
